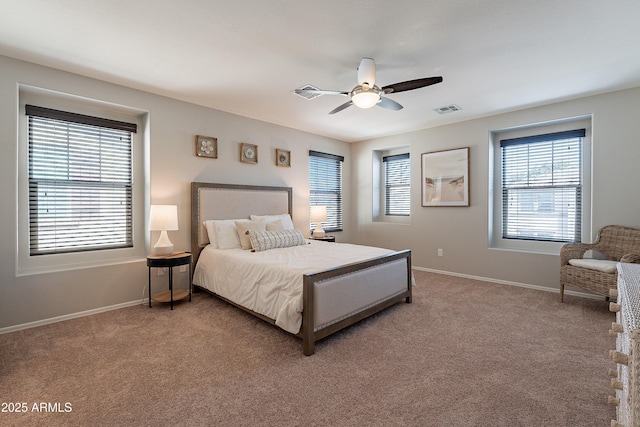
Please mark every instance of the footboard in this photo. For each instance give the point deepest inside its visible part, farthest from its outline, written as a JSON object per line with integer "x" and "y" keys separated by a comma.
{"x": 337, "y": 298}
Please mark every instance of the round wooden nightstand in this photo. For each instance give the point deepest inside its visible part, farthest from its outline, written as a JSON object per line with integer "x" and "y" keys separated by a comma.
{"x": 169, "y": 261}
{"x": 324, "y": 239}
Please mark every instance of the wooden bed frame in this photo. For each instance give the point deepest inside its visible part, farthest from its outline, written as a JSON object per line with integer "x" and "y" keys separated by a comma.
{"x": 392, "y": 271}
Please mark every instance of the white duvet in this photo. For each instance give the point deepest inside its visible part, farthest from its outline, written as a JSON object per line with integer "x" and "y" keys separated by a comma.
{"x": 270, "y": 282}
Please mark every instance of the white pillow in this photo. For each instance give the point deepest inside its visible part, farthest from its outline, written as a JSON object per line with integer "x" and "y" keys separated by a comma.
{"x": 286, "y": 219}
{"x": 222, "y": 233}
{"x": 603, "y": 265}
{"x": 243, "y": 228}
{"x": 274, "y": 225}
{"x": 211, "y": 233}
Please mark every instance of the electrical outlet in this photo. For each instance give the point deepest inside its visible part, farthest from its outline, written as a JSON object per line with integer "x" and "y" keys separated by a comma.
{"x": 440, "y": 252}
{"x": 160, "y": 271}
{"x": 183, "y": 268}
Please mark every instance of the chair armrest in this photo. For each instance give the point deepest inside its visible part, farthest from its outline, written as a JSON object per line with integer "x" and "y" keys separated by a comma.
{"x": 574, "y": 251}
{"x": 632, "y": 257}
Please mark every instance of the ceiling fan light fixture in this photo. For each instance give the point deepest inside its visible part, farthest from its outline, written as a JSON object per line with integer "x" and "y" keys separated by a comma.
{"x": 366, "y": 94}
{"x": 364, "y": 97}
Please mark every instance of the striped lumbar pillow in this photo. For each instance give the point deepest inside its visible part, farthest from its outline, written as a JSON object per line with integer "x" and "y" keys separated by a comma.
{"x": 263, "y": 240}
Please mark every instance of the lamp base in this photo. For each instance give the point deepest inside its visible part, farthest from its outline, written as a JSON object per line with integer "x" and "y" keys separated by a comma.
{"x": 163, "y": 246}
{"x": 163, "y": 250}
{"x": 318, "y": 232}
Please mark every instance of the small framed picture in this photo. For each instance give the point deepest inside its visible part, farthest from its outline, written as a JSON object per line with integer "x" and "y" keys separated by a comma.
{"x": 283, "y": 158}
{"x": 248, "y": 153}
{"x": 206, "y": 146}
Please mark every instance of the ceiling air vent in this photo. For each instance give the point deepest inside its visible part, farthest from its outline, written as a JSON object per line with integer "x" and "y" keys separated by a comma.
{"x": 447, "y": 109}
{"x": 307, "y": 95}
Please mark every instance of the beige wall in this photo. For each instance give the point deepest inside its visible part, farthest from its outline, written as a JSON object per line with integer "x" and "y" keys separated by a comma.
{"x": 173, "y": 165}
{"x": 463, "y": 231}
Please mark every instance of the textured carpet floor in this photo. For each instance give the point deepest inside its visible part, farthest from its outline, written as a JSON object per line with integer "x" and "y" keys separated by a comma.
{"x": 465, "y": 353}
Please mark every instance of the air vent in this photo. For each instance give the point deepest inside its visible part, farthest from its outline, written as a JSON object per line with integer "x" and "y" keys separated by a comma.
{"x": 307, "y": 95}
{"x": 447, "y": 109}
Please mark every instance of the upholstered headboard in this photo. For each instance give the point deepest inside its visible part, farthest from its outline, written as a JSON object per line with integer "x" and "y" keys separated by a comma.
{"x": 231, "y": 201}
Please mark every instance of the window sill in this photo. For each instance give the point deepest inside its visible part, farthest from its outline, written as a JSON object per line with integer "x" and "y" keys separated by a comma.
{"x": 32, "y": 270}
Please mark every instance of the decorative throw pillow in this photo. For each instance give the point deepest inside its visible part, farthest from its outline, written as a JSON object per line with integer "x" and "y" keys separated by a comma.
{"x": 210, "y": 226}
{"x": 285, "y": 218}
{"x": 263, "y": 240}
{"x": 227, "y": 234}
{"x": 243, "y": 228}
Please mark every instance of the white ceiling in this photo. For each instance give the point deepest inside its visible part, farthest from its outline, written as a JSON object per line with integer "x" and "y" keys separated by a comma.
{"x": 247, "y": 56}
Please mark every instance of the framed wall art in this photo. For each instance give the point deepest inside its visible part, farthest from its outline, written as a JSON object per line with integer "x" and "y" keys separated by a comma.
{"x": 283, "y": 158}
{"x": 206, "y": 146}
{"x": 445, "y": 178}
{"x": 248, "y": 153}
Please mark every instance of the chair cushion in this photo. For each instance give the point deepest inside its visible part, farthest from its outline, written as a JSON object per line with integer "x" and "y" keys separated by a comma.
{"x": 603, "y": 265}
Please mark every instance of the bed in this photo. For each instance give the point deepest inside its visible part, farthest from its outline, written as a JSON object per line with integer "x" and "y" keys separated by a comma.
{"x": 325, "y": 286}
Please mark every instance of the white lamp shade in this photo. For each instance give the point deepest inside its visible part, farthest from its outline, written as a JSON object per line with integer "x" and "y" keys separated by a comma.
{"x": 318, "y": 213}
{"x": 163, "y": 217}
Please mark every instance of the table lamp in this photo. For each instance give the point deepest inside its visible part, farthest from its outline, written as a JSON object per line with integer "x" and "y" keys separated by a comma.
{"x": 163, "y": 218}
{"x": 318, "y": 215}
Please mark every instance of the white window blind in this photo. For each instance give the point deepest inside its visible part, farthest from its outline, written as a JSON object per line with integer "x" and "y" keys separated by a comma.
{"x": 397, "y": 184}
{"x": 80, "y": 182}
{"x": 325, "y": 187}
{"x": 542, "y": 187}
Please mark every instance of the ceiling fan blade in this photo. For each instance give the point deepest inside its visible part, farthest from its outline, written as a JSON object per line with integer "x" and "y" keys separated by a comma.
{"x": 367, "y": 72}
{"x": 321, "y": 92}
{"x": 411, "y": 84}
{"x": 341, "y": 107}
{"x": 389, "y": 104}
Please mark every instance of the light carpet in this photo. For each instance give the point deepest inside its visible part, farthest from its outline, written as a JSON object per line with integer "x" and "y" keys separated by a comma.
{"x": 464, "y": 353}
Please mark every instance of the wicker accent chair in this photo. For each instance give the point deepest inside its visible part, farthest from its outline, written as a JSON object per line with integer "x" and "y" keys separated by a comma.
{"x": 615, "y": 243}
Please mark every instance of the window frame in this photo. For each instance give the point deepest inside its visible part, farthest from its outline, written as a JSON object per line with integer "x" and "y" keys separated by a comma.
{"x": 495, "y": 239}
{"x": 388, "y": 160}
{"x": 81, "y": 179}
{"x": 32, "y": 265}
{"x": 318, "y": 196}
{"x": 541, "y": 181}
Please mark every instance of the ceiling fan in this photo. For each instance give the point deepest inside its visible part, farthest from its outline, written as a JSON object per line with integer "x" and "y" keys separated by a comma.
{"x": 367, "y": 94}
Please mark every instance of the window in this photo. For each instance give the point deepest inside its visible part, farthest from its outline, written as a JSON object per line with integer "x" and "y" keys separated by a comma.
{"x": 542, "y": 186}
{"x": 80, "y": 182}
{"x": 397, "y": 184}
{"x": 325, "y": 187}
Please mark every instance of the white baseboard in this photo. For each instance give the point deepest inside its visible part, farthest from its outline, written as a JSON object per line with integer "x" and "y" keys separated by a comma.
{"x": 507, "y": 282}
{"x": 141, "y": 301}
{"x": 70, "y": 316}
